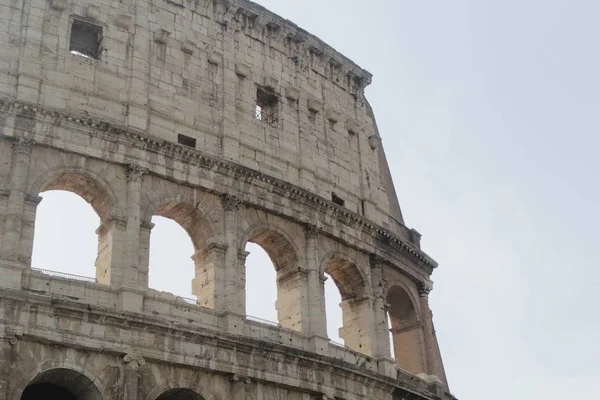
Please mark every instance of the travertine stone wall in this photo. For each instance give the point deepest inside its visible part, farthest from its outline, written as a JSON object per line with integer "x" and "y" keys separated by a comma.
{"x": 308, "y": 183}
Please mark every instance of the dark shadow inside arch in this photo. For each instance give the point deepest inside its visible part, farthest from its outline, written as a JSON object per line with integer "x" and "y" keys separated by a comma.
{"x": 180, "y": 394}
{"x": 405, "y": 330}
{"x": 63, "y": 384}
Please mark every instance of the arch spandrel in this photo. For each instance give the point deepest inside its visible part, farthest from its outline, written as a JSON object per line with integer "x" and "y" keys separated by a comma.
{"x": 279, "y": 238}
{"x": 195, "y": 211}
{"x": 84, "y": 182}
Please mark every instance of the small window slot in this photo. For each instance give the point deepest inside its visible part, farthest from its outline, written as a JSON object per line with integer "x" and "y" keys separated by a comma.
{"x": 337, "y": 200}
{"x": 266, "y": 107}
{"x": 186, "y": 141}
{"x": 85, "y": 39}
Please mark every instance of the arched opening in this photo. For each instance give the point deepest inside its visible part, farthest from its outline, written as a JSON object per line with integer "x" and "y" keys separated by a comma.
{"x": 405, "y": 330}
{"x": 289, "y": 280}
{"x": 65, "y": 240}
{"x": 333, "y": 309}
{"x": 179, "y": 394}
{"x": 61, "y": 383}
{"x": 357, "y": 313}
{"x": 171, "y": 268}
{"x": 64, "y": 237}
{"x": 179, "y": 253}
{"x": 261, "y": 284}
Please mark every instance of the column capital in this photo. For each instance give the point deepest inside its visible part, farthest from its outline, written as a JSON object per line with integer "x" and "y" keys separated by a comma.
{"x": 231, "y": 202}
{"x": 376, "y": 261}
{"x": 134, "y": 361}
{"x": 424, "y": 288}
{"x": 311, "y": 231}
{"x": 22, "y": 146}
{"x": 135, "y": 173}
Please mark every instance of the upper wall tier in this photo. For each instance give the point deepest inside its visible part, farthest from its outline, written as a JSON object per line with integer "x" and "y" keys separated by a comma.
{"x": 229, "y": 78}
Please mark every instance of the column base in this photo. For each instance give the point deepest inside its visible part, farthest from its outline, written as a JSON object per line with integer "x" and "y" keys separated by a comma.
{"x": 319, "y": 345}
{"x": 233, "y": 322}
{"x": 131, "y": 300}
{"x": 12, "y": 274}
{"x": 387, "y": 367}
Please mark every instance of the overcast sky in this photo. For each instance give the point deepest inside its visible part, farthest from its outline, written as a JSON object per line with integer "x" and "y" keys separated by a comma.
{"x": 489, "y": 114}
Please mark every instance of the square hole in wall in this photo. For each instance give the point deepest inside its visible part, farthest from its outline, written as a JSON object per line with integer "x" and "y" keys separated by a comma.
{"x": 186, "y": 141}
{"x": 337, "y": 199}
{"x": 86, "y": 39}
{"x": 266, "y": 107}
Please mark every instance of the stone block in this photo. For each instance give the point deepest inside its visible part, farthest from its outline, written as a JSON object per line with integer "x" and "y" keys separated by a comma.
{"x": 123, "y": 21}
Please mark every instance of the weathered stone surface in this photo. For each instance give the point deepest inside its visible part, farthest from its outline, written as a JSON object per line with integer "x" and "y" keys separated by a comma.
{"x": 161, "y": 119}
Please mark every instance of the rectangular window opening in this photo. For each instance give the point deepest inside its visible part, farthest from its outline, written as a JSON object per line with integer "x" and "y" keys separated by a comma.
{"x": 337, "y": 200}
{"x": 186, "y": 141}
{"x": 266, "y": 107}
{"x": 85, "y": 39}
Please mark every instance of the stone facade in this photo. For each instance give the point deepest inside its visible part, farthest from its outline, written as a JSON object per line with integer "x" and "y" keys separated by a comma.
{"x": 241, "y": 127}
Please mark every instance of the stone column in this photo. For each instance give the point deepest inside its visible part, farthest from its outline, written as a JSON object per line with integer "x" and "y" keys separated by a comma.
{"x": 380, "y": 325}
{"x": 132, "y": 234}
{"x": 317, "y": 317}
{"x": 16, "y": 199}
{"x": 11, "y": 267}
{"x": 234, "y": 297}
{"x": 208, "y": 284}
{"x": 6, "y": 344}
{"x": 131, "y": 292}
{"x": 111, "y": 245}
{"x": 428, "y": 335}
{"x": 144, "y": 257}
{"x": 131, "y": 377}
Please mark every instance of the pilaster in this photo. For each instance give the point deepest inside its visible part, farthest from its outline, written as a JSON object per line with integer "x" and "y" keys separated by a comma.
{"x": 132, "y": 234}
{"x": 317, "y": 318}
{"x": 16, "y": 199}
{"x": 131, "y": 376}
{"x": 6, "y": 344}
{"x": 380, "y": 321}
{"x": 233, "y": 297}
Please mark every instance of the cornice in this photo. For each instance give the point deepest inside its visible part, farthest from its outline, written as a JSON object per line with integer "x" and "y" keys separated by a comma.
{"x": 199, "y": 159}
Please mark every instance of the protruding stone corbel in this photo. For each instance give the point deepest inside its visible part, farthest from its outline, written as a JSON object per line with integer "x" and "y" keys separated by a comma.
{"x": 92, "y": 12}
{"x": 188, "y": 46}
{"x": 242, "y": 69}
{"x": 334, "y": 116}
{"x": 134, "y": 361}
{"x": 352, "y": 126}
{"x": 271, "y": 83}
{"x": 315, "y": 105}
{"x": 240, "y": 379}
{"x": 161, "y": 36}
{"x": 123, "y": 21}
{"x": 374, "y": 141}
{"x": 292, "y": 93}
{"x": 58, "y": 5}
{"x": 215, "y": 57}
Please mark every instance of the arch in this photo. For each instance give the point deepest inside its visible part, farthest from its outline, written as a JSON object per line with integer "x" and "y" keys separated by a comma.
{"x": 276, "y": 243}
{"x": 193, "y": 219}
{"x": 83, "y": 182}
{"x": 180, "y": 394}
{"x": 93, "y": 189}
{"x": 406, "y": 330}
{"x": 66, "y": 376}
{"x": 348, "y": 277}
{"x": 191, "y": 390}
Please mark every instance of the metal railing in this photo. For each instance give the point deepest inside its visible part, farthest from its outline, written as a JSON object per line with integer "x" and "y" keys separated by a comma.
{"x": 263, "y": 321}
{"x": 188, "y": 300}
{"x": 65, "y": 275}
{"x": 270, "y": 119}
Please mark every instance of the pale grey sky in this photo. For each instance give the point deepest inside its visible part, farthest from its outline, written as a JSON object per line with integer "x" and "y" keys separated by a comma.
{"x": 489, "y": 115}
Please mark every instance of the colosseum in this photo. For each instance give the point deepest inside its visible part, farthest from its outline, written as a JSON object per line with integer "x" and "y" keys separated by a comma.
{"x": 241, "y": 127}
